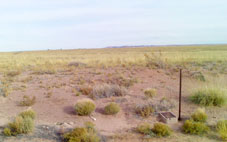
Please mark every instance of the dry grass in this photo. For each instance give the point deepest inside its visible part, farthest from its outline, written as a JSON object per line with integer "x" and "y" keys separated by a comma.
{"x": 51, "y": 61}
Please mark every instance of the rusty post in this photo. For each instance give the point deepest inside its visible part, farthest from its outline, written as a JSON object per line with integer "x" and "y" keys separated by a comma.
{"x": 179, "y": 118}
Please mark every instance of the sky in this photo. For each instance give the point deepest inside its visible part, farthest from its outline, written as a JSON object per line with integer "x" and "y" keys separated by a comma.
{"x": 73, "y": 24}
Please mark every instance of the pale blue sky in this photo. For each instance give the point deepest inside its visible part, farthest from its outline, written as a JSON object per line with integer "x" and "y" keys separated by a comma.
{"x": 71, "y": 24}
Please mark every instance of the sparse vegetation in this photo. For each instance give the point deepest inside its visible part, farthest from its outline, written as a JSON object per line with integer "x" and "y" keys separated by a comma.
{"x": 84, "y": 107}
{"x": 28, "y": 101}
{"x": 195, "y": 128}
{"x": 161, "y": 130}
{"x": 209, "y": 97}
{"x": 112, "y": 108}
{"x": 150, "y": 92}
{"x": 199, "y": 116}
{"x": 110, "y": 76}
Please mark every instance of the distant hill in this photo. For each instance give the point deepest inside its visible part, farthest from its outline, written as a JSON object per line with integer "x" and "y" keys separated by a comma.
{"x": 131, "y": 46}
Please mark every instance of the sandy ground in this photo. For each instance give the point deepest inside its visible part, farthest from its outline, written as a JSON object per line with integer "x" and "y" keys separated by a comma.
{"x": 59, "y": 106}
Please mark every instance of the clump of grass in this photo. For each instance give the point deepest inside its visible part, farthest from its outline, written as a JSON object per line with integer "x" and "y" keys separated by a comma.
{"x": 112, "y": 108}
{"x": 106, "y": 91}
{"x": 28, "y": 113}
{"x": 199, "y": 116}
{"x": 144, "y": 110}
{"x": 195, "y": 128}
{"x": 84, "y": 107}
{"x": 144, "y": 128}
{"x": 28, "y": 101}
{"x": 81, "y": 134}
{"x": 222, "y": 129}
{"x": 150, "y": 92}
{"x": 161, "y": 130}
{"x": 209, "y": 97}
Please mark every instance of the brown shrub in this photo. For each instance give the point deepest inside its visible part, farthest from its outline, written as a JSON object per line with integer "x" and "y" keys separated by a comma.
{"x": 106, "y": 91}
{"x": 28, "y": 101}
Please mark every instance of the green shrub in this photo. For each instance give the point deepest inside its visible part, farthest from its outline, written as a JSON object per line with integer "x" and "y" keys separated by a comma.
{"x": 84, "y": 107}
{"x": 161, "y": 130}
{"x": 112, "y": 108}
{"x": 27, "y": 101}
{"x": 21, "y": 125}
{"x": 199, "y": 116}
{"x": 7, "y": 132}
{"x": 195, "y": 128}
{"x": 209, "y": 97}
{"x": 144, "y": 128}
{"x": 81, "y": 135}
{"x": 28, "y": 113}
{"x": 78, "y": 134}
{"x": 144, "y": 110}
{"x": 150, "y": 93}
{"x": 222, "y": 129}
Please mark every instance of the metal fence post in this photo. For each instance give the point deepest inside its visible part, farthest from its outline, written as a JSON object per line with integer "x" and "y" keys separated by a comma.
{"x": 179, "y": 118}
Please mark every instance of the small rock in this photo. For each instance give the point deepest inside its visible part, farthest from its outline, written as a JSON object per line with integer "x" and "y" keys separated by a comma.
{"x": 71, "y": 123}
{"x": 59, "y": 130}
{"x": 58, "y": 123}
{"x": 66, "y": 125}
{"x": 93, "y": 118}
